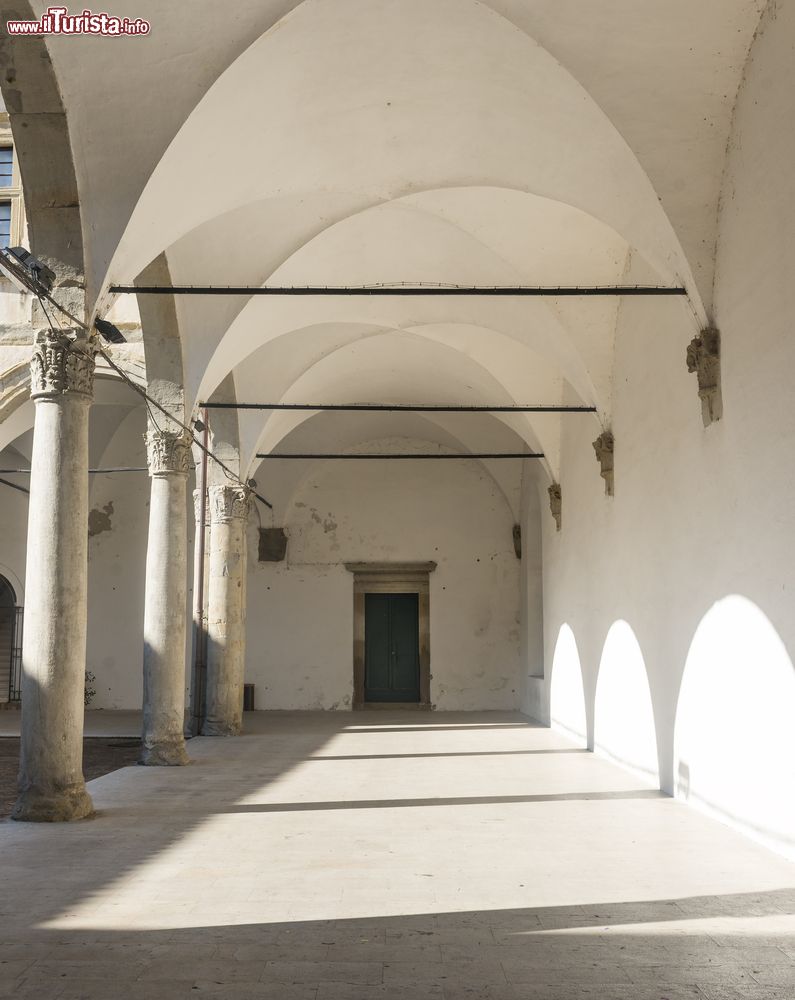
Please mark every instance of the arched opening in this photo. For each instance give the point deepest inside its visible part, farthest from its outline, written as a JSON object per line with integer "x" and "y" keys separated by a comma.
{"x": 10, "y": 642}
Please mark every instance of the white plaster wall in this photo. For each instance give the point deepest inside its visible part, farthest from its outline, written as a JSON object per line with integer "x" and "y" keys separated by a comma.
{"x": 14, "y": 522}
{"x": 300, "y": 612}
{"x": 702, "y": 519}
{"x": 15, "y": 306}
{"x": 116, "y": 570}
{"x": 531, "y": 618}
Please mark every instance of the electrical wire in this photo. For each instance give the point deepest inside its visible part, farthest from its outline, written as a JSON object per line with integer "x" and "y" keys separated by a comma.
{"x": 142, "y": 392}
{"x": 232, "y": 476}
{"x": 14, "y": 486}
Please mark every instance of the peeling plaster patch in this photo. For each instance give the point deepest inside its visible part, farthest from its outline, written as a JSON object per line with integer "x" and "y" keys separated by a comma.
{"x": 99, "y": 520}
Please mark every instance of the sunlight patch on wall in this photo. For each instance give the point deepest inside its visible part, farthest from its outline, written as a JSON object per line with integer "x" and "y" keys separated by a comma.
{"x": 734, "y": 744}
{"x": 624, "y": 729}
{"x": 567, "y": 697}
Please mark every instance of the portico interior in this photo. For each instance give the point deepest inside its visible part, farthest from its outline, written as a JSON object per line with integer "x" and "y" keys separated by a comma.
{"x": 628, "y": 585}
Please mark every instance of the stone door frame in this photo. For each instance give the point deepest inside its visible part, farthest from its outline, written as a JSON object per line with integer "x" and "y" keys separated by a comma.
{"x": 391, "y": 578}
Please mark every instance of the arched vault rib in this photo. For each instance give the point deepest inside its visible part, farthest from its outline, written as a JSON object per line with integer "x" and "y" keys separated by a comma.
{"x": 515, "y": 98}
{"x": 415, "y": 366}
{"x": 480, "y": 235}
{"x": 42, "y": 140}
{"x": 343, "y": 432}
{"x": 476, "y": 319}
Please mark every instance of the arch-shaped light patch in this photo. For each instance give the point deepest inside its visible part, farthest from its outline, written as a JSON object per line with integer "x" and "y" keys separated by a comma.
{"x": 567, "y": 696}
{"x": 624, "y": 729}
{"x": 734, "y": 744}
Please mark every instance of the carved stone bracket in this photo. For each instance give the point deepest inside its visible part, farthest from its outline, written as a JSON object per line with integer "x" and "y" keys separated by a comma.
{"x": 703, "y": 359}
{"x": 62, "y": 363}
{"x": 228, "y": 503}
{"x": 604, "y": 447}
{"x": 168, "y": 452}
{"x": 556, "y": 503}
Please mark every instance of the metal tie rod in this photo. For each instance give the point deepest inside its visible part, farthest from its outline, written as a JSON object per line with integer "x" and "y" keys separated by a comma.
{"x": 91, "y": 472}
{"x": 532, "y": 291}
{"x": 398, "y": 408}
{"x": 403, "y": 457}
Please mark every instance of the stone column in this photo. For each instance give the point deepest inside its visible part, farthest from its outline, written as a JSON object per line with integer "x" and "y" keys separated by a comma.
{"x": 200, "y": 546}
{"x": 169, "y": 459}
{"x": 226, "y": 611}
{"x": 51, "y": 785}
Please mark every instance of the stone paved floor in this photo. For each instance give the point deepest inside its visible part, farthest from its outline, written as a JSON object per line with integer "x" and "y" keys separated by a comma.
{"x": 391, "y": 855}
{"x": 100, "y": 756}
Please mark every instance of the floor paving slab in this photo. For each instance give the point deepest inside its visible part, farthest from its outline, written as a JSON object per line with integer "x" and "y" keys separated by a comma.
{"x": 390, "y": 855}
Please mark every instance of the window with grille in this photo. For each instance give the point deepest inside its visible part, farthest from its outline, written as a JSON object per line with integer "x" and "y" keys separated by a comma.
{"x": 6, "y": 166}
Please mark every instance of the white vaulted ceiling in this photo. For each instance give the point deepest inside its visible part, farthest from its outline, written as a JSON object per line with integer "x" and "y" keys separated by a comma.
{"x": 358, "y": 141}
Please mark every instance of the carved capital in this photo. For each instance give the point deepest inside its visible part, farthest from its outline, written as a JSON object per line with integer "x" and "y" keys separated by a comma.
{"x": 228, "y": 503}
{"x": 168, "y": 452}
{"x": 62, "y": 363}
{"x": 197, "y": 506}
{"x": 556, "y": 503}
{"x": 604, "y": 447}
{"x": 703, "y": 360}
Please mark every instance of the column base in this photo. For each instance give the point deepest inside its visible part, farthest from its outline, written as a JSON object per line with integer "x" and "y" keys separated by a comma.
{"x": 213, "y": 728}
{"x": 170, "y": 754}
{"x": 34, "y": 806}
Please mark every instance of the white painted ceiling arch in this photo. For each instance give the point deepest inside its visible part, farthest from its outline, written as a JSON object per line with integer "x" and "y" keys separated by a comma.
{"x": 281, "y": 481}
{"x": 438, "y": 111}
{"x": 350, "y": 364}
{"x": 396, "y": 366}
{"x": 666, "y": 76}
{"x": 480, "y": 235}
{"x": 268, "y": 319}
{"x": 113, "y": 402}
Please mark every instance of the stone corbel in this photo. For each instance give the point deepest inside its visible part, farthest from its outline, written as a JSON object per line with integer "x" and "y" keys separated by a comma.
{"x": 703, "y": 359}
{"x": 556, "y": 504}
{"x": 604, "y": 447}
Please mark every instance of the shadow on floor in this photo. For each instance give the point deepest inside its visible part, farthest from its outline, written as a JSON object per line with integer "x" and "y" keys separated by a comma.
{"x": 100, "y": 756}
{"x": 610, "y": 951}
{"x": 460, "y": 800}
{"x": 712, "y": 947}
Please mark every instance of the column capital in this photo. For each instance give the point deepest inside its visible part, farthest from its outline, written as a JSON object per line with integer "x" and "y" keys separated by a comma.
{"x": 228, "y": 503}
{"x": 168, "y": 452}
{"x": 197, "y": 506}
{"x": 62, "y": 363}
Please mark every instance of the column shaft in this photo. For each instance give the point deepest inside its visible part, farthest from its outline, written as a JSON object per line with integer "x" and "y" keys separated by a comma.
{"x": 165, "y": 628}
{"x": 226, "y": 611}
{"x": 51, "y": 785}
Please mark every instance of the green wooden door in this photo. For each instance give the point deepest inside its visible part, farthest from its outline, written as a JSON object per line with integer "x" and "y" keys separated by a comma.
{"x": 392, "y": 647}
